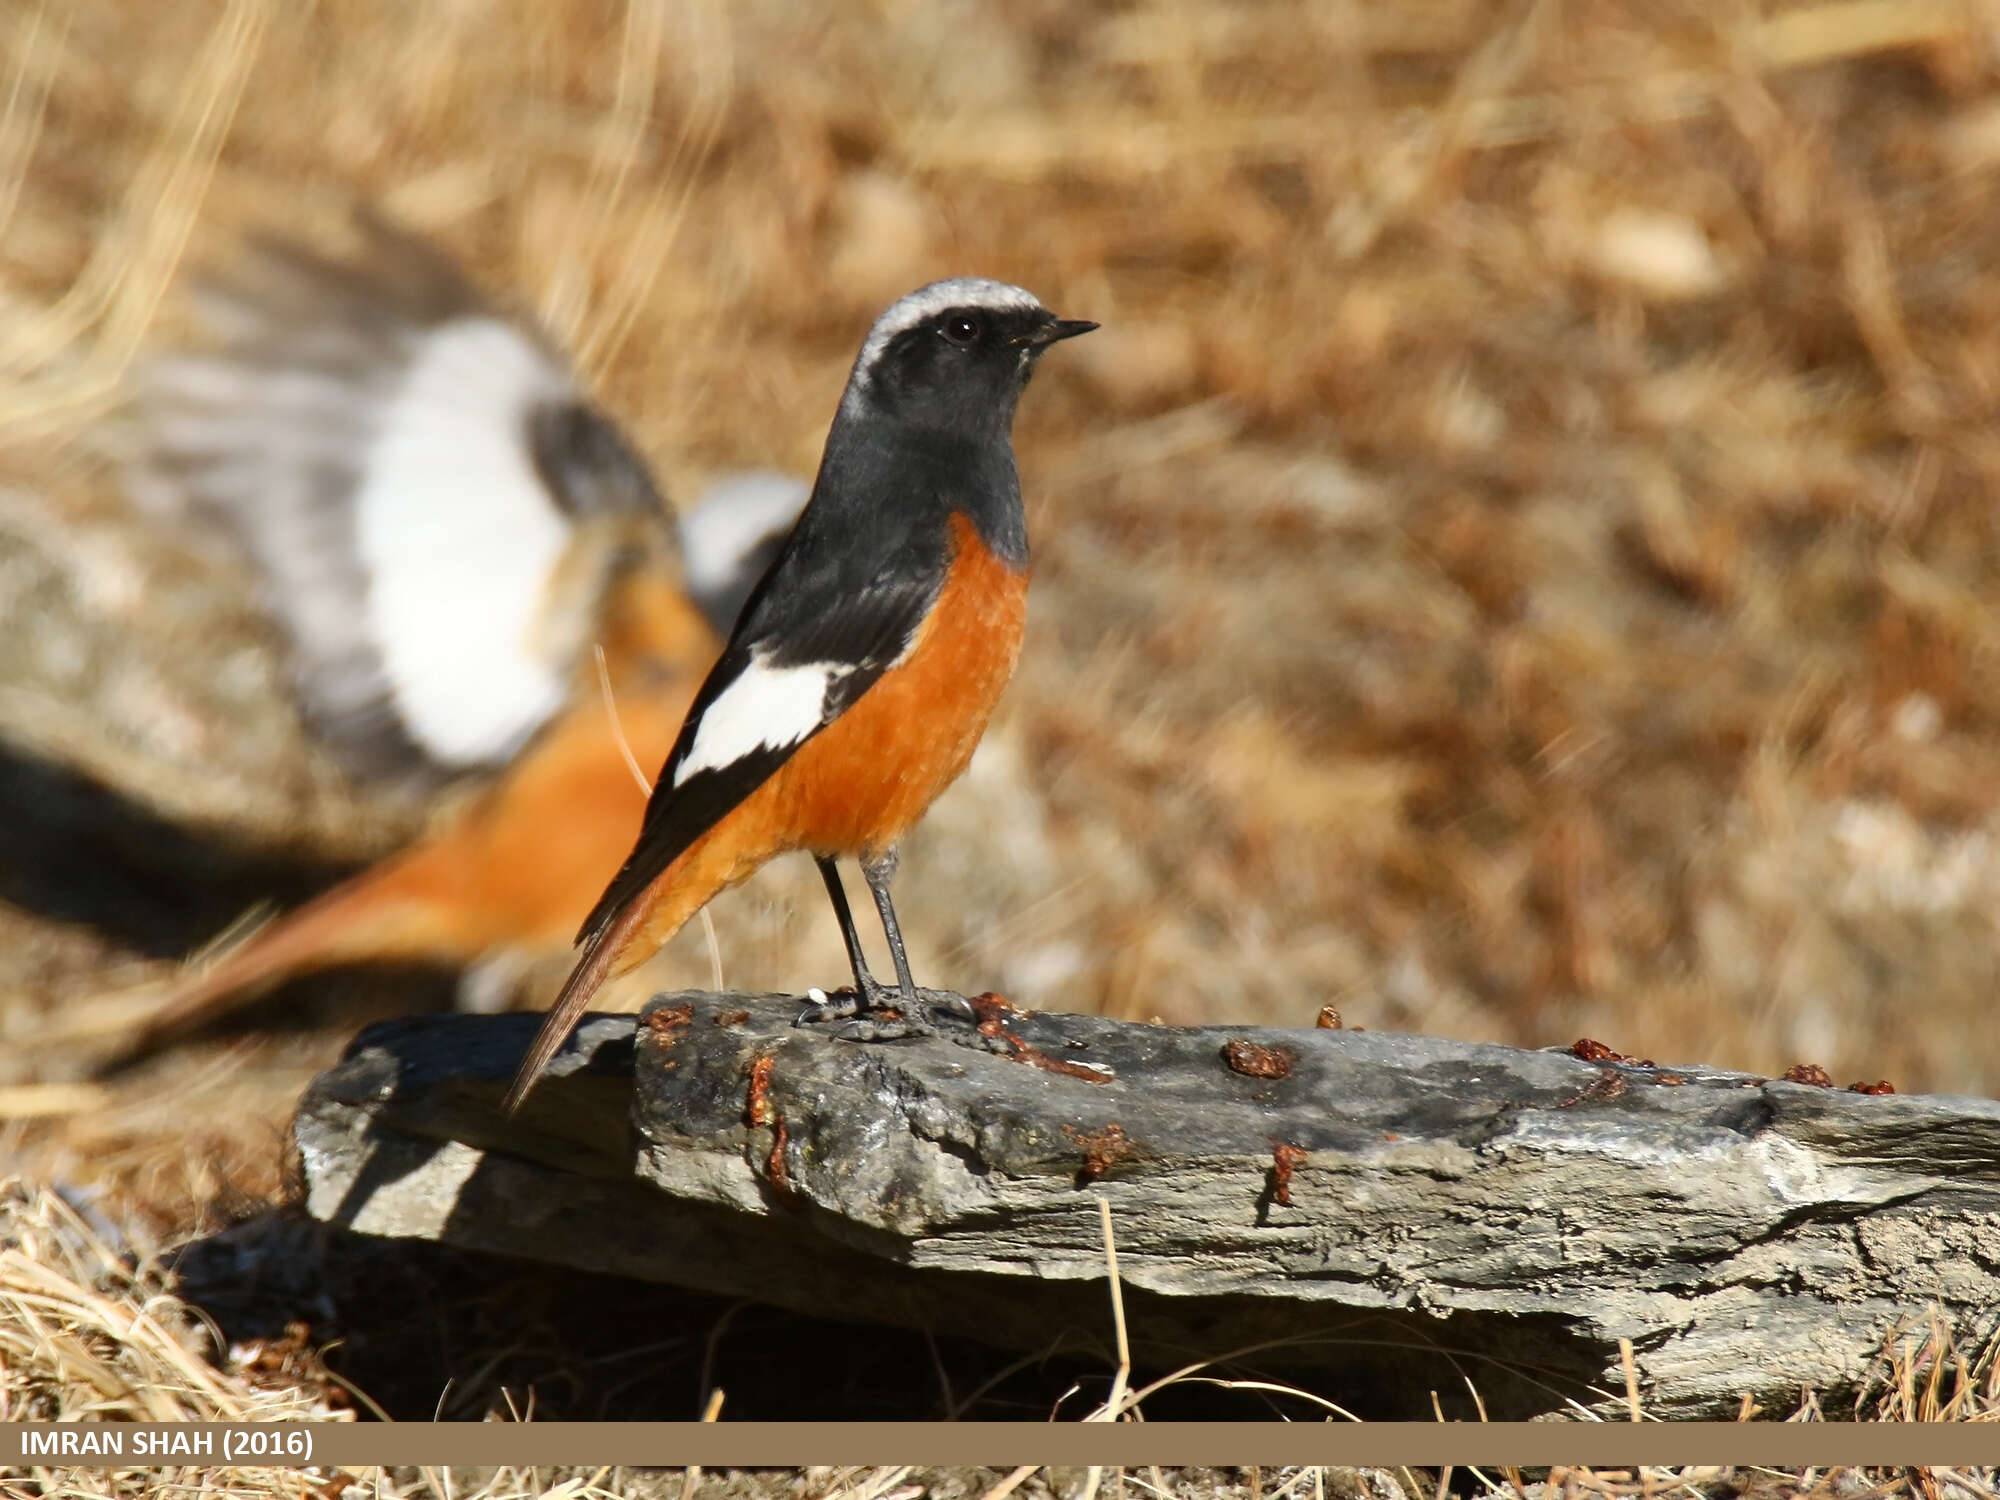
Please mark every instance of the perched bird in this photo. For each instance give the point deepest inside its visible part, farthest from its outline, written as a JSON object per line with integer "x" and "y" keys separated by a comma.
{"x": 478, "y": 578}
{"x": 861, "y": 674}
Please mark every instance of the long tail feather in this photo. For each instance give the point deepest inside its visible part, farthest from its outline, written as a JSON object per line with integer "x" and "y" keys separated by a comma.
{"x": 600, "y": 955}
{"x": 320, "y": 934}
{"x": 631, "y": 935}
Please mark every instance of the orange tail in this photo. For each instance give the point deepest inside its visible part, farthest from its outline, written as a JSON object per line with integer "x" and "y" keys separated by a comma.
{"x": 716, "y": 861}
{"x": 365, "y": 918}
{"x": 600, "y": 956}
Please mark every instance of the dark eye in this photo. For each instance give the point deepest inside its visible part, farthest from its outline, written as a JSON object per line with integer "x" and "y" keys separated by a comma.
{"x": 962, "y": 329}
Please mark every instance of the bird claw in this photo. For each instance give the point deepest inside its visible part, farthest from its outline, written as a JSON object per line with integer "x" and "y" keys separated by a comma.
{"x": 891, "y": 1030}
{"x": 881, "y": 1014}
{"x": 954, "y": 1005}
{"x": 821, "y": 1007}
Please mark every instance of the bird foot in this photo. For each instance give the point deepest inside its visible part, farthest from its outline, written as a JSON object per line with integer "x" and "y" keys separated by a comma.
{"x": 878, "y": 1013}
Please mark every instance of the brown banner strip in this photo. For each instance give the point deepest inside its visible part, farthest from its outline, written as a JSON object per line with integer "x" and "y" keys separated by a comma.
{"x": 790, "y": 1445}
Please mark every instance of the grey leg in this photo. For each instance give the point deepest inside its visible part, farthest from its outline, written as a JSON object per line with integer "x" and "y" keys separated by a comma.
{"x": 830, "y": 873}
{"x": 913, "y": 1006}
{"x": 878, "y": 872}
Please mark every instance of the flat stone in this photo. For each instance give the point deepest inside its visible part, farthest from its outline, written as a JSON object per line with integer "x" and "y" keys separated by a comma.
{"x": 1390, "y": 1214}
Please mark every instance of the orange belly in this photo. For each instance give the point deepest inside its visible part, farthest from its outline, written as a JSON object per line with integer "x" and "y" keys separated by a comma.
{"x": 861, "y": 783}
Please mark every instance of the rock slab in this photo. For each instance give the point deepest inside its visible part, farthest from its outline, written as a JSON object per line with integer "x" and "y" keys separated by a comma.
{"x": 1371, "y": 1216}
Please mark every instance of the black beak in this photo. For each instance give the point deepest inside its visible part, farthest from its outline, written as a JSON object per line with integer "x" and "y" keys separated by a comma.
{"x": 1055, "y": 330}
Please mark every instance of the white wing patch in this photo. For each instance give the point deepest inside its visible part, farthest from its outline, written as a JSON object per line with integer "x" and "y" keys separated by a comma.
{"x": 766, "y": 707}
{"x": 459, "y": 537}
{"x": 733, "y": 516}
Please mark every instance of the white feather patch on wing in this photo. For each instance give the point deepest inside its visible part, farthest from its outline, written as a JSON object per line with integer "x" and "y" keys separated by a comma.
{"x": 735, "y": 515}
{"x": 459, "y": 537}
{"x": 766, "y": 707}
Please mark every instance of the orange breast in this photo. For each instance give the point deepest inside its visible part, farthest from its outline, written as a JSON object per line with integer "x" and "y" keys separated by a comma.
{"x": 863, "y": 781}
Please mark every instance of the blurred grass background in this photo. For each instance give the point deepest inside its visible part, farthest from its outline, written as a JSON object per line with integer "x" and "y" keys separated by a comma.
{"x": 1518, "y": 562}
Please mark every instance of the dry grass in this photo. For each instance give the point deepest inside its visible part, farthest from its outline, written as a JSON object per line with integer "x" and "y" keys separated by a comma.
{"x": 91, "y": 1327}
{"x": 91, "y": 1330}
{"x": 1518, "y": 562}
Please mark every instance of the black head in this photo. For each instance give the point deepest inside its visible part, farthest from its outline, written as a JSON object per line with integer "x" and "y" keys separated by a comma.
{"x": 954, "y": 356}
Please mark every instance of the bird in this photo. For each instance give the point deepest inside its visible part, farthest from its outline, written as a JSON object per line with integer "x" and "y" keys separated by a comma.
{"x": 866, "y": 662}
{"x": 479, "y": 582}
{"x": 433, "y": 508}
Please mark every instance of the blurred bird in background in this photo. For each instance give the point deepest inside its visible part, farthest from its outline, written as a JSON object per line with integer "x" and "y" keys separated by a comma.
{"x": 477, "y": 579}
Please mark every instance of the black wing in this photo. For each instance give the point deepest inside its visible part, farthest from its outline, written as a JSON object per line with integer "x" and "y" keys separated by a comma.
{"x": 810, "y": 610}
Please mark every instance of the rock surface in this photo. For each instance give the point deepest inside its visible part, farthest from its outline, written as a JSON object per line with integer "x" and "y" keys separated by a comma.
{"x": 1380, "y": 1216}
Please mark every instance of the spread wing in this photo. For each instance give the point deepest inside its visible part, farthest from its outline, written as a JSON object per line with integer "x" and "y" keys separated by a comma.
{"x": 813, "y": 638}
{"x": 409, "y": 471}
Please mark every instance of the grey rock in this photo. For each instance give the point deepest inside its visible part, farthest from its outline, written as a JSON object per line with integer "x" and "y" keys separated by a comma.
{"x": 1456, "y": 1212}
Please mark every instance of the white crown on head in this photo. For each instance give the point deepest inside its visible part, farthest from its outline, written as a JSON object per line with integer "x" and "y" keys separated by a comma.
{"x": 926, "y": 302}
